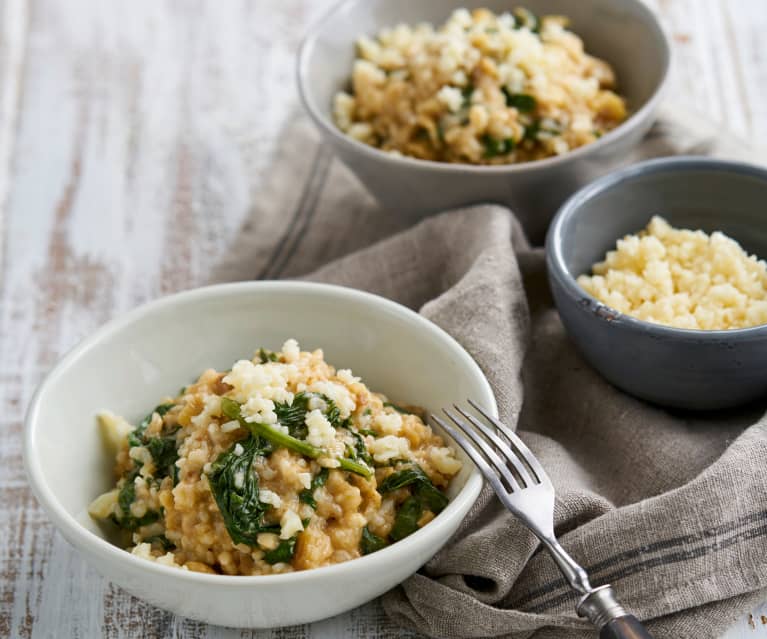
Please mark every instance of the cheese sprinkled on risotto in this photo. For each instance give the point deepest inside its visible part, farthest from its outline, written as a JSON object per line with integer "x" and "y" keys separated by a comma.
{"x": 482, "y": 88}
{"x": 682, "y": 278}
{"x": 280, "y": 464}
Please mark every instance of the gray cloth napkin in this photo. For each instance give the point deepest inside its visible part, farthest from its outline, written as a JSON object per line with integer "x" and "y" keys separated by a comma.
{"x": 669, "y": 507}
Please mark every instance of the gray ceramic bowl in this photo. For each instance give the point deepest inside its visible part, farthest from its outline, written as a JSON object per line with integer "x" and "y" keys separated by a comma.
{"x": 670, "y": 366}
{"x": 623, "y": 32}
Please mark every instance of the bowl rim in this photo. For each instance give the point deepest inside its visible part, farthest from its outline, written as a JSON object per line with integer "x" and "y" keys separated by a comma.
{"x": 555, "y": 240}
{"x": 84, "y": 539}
{"x": 635, "y": 119}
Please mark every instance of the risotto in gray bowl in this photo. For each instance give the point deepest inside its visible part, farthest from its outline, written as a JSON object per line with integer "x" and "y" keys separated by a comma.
{"x": 481, "y": 88}
{"x": 436, "y": 105}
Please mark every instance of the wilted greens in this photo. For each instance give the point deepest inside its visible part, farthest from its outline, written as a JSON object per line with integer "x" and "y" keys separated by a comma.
{"x": 234, "y": 485}
{"x": 399, "y": 409}
{"x": 164, "y": 453}
{"x": 265, "y": 356}
{"x": 425, "y": 497}
{"x": 359, "y": 450}
{"x": 431, "y": 498}
{"x": 283, "y": 553}
{"x": 136, "y": 438}
{"x": 162, "y": 447}
{"x": 370, "y": 542}
{"x": 127, "y": 495}
{"x": 494, "y": 146}
{"x": 293, "y": 416}
{"x": 526, "y": 18}
{"x": 307, "y": 495}
{"x": 232, "y": 410}
{"x": 523, "y": 102}
{"x": 406, "y": 522}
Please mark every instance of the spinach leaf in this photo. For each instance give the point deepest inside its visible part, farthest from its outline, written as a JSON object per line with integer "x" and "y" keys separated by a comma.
{"x": 165, "y": 454}
{"x": 426, "y": 493}
{"x": 283, "y": 553}
{"x": 407, "y": 518}
{"x": 136, "y": 437}
{"x": 430, "y": 497}
{"x": 526, "y": 18}
{"x": 271, "y": 528}
{"x": 127, "y": 495}
{"x": 425, "y": 497}
{"x": 402, "y": 478}
{"x": 532, "y": 130}
{"x": 161, "y": 540}
{"x": 161, "y": 447}
{"x": 267, "y": 356}
{"x": 293, "y": 415}
{"x": 134, "y": 523}
{"x": 333, "y": 414}
{"x": 495, "y": 147}
{"x": 306, "y": 496}
{"x": 360, "y": 451}
{"x": 320, "y": 479}
{"x": 370, "y": 543}
{"x": 399, "y": 409}
{"x": 234, "y": 485}
{"x": 467, "y": 92}
{"x": 231, "y": 409}
{"x": 160, "y": 410}
{"x": 523, "y": 102}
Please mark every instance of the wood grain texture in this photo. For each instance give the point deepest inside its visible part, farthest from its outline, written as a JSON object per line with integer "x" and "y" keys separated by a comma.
{"x": 135, "y": 139}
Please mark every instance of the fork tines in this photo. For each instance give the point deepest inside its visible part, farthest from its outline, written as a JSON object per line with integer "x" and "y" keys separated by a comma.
{"x": 506, "y": 461}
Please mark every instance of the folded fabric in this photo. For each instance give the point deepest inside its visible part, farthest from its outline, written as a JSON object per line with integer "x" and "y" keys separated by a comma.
{"x": 669, "y": 507}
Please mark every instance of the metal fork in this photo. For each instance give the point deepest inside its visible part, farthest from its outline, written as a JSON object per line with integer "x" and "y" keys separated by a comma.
{"x": 525, "y": 489}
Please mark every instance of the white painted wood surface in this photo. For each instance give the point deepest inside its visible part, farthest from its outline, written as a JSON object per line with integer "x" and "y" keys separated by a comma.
{"x": 134, "y": 140}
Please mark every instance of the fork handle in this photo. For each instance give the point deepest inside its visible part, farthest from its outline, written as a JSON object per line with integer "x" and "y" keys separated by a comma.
{"x": 603, "y": 610}
{"x": 627, "y": 627}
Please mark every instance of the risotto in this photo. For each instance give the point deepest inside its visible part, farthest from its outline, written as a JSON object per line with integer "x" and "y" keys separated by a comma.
{"x": 481, "y": 89}
{"x": 280, "y": 464}
{"x": 682, "y": 278}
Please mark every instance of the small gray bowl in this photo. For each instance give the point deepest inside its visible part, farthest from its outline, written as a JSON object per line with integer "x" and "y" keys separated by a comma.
{"x": 692, "y": 369}
{"x": 623, "y": 32}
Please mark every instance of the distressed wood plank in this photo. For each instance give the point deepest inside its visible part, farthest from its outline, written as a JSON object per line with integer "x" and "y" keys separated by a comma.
{"x": 18, "y": 511}
{"x": 130, "y": 187}
{"x": 134, "y": 142}
{"x": 13, "y": 32}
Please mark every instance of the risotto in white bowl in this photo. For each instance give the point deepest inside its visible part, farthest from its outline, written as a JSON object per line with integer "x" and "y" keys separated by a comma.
{"x": 281, "y": 463}
{"x": 223, "y": 511}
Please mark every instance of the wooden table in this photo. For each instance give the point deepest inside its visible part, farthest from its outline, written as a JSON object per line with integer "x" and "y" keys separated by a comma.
{"x": 134, "y": 140}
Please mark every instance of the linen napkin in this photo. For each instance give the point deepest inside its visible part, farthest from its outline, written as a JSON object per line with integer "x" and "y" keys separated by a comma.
{"x": 669, "y": 507}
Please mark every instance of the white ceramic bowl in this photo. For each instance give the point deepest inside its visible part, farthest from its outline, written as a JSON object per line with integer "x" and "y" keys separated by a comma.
{"x": 626, "y": 33}
{"x": 150, "y": 352}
